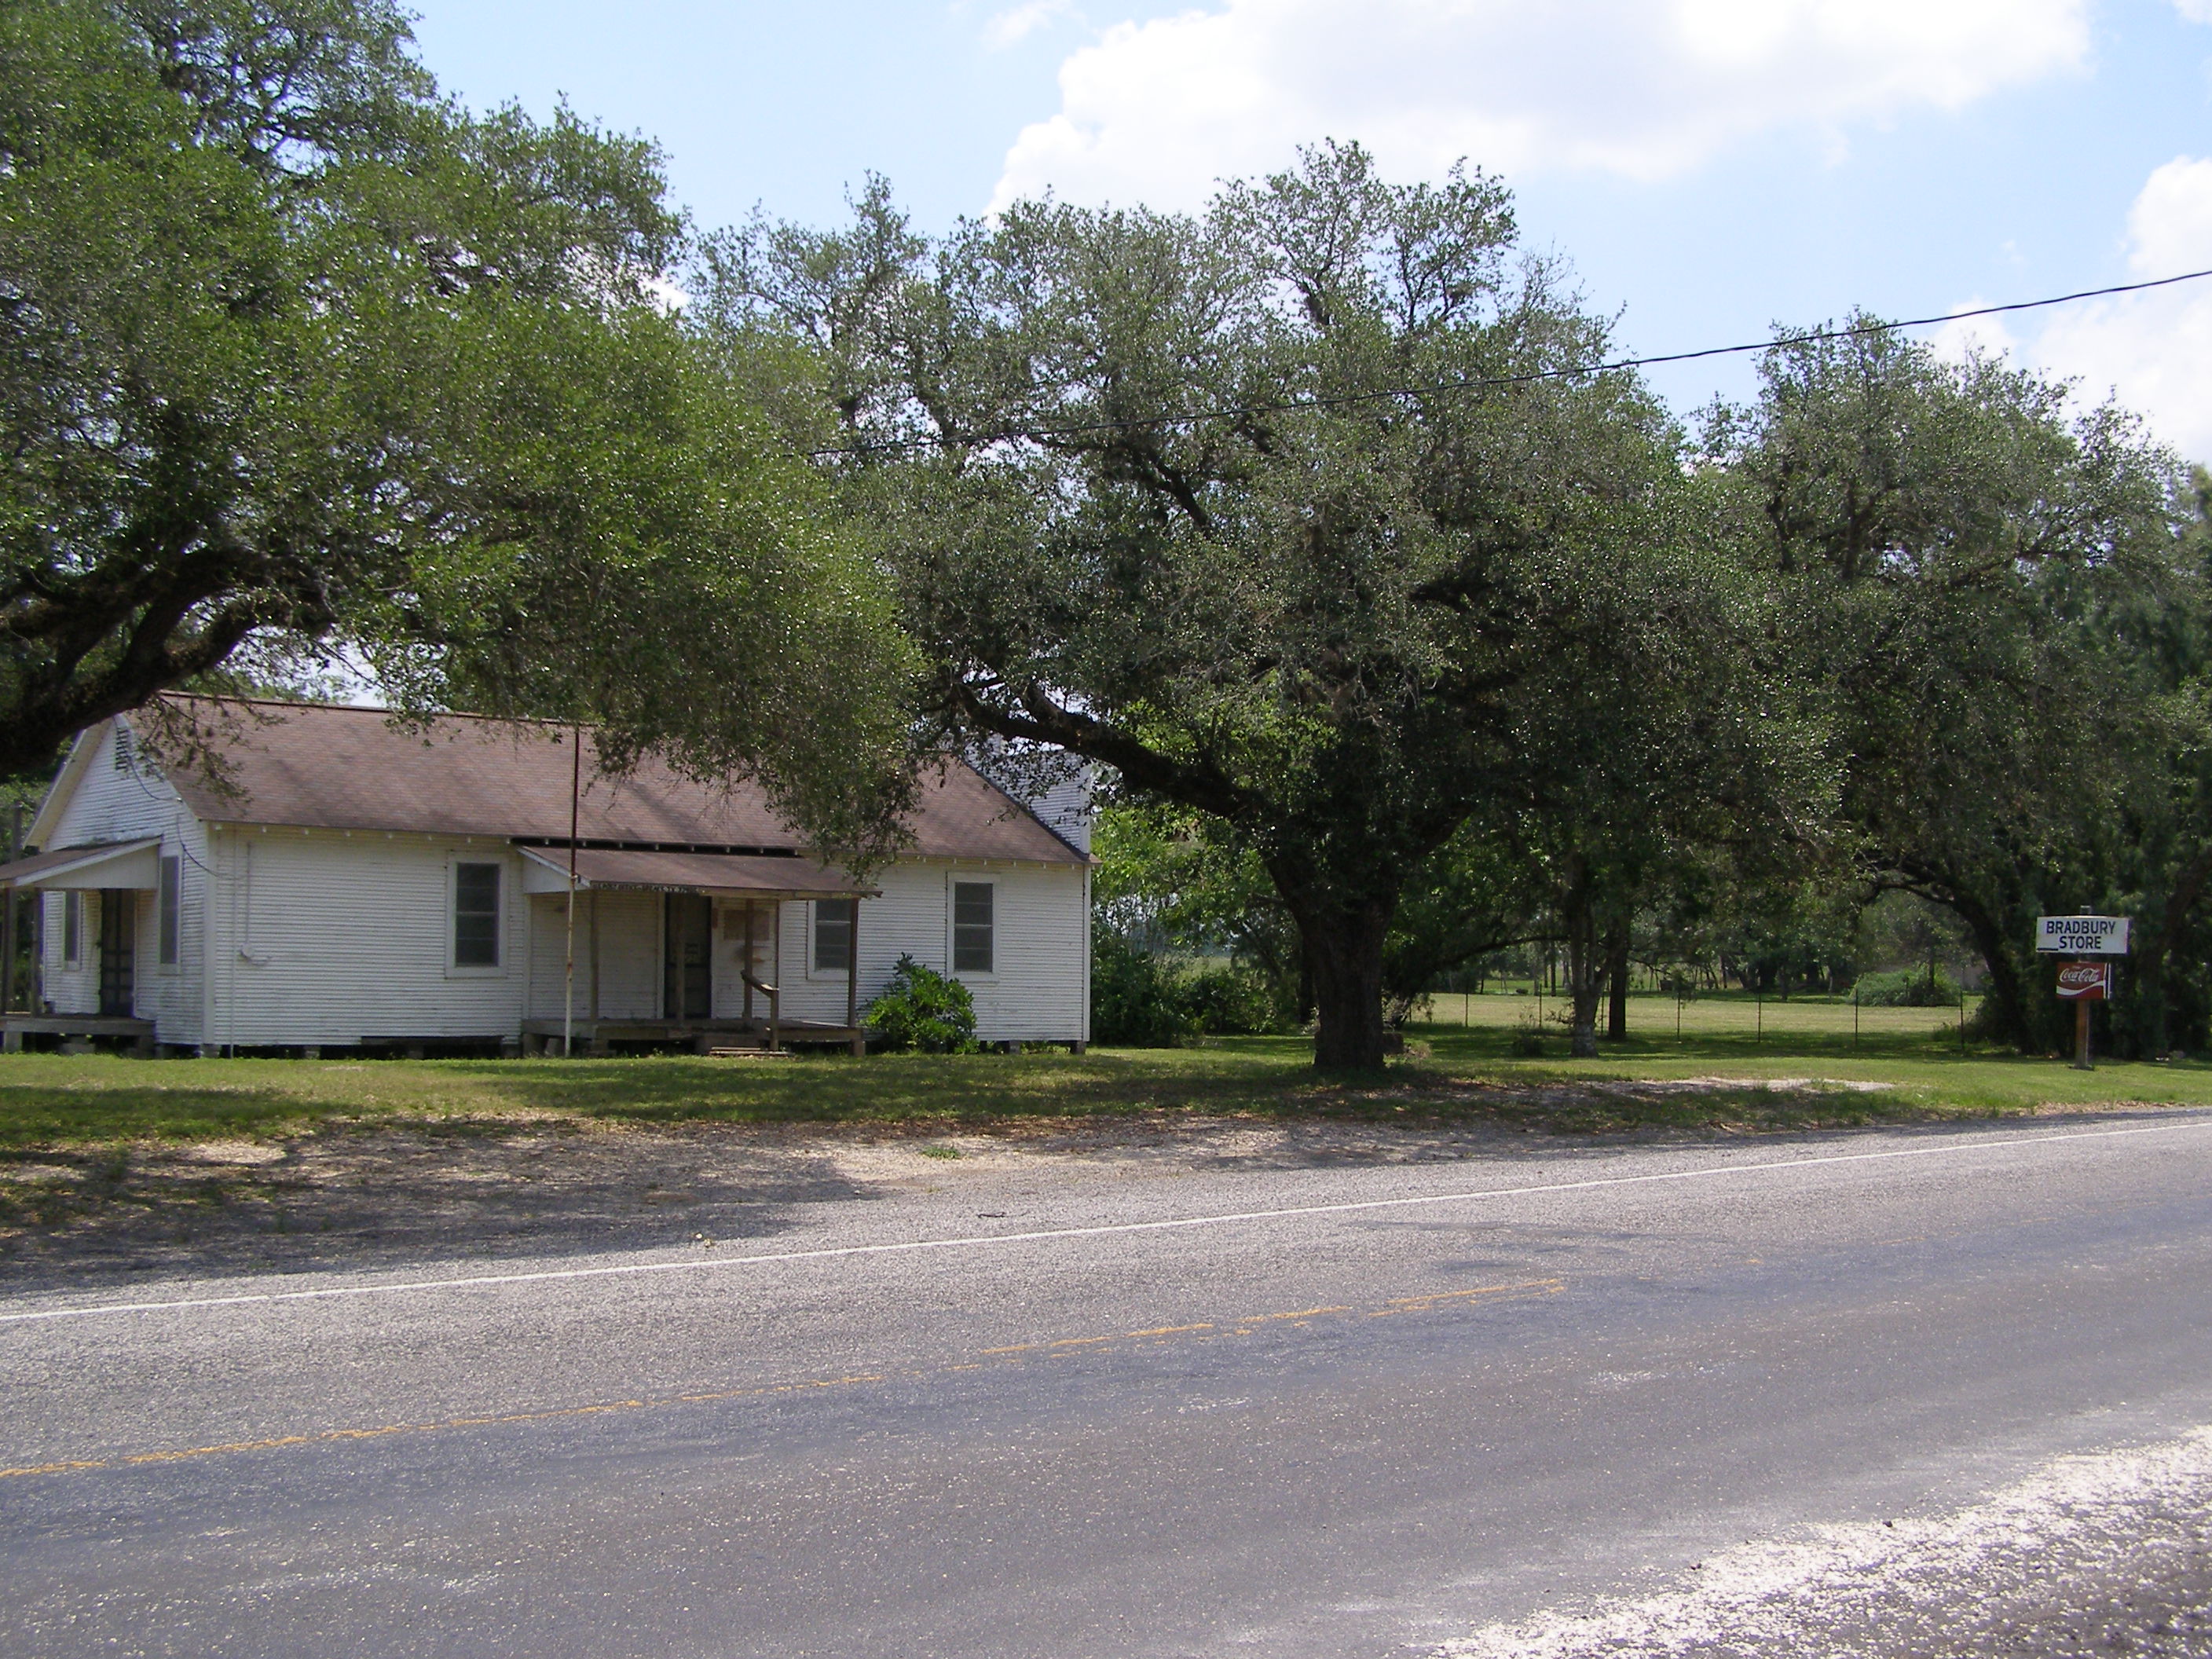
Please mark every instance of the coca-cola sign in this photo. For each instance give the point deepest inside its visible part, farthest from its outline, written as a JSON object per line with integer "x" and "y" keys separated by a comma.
{"x": 2091, "y": 981}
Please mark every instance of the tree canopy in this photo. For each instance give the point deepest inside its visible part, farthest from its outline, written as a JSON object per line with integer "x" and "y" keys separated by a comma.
{"x": 1990, "y": 596}
{"x": 1293, "y": 514}
{"x": 297, "y": 357}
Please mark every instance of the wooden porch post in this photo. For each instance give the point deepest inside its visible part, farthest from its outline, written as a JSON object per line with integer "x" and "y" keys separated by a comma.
{"x": 593, "y": 917}
{"x": 10, "y": 899}
{"x": 853, "y": 982}
{"x": 11, "y": 902}
{"x": 748, "y": 975}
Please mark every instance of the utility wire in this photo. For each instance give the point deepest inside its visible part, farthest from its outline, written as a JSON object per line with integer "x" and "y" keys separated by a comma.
{"x": 1477, "y": 383}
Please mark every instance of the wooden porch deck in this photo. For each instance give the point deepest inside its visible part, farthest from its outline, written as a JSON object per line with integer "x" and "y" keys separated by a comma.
{"x": 14, "y": 1028}
{"x": 595, "y": 1037}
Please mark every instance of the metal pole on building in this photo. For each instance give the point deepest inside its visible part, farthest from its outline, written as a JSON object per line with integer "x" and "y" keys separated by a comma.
{"x": 853, "y": 982}
{"x": 10, "y": 906}
{"x": 575, "y": 798}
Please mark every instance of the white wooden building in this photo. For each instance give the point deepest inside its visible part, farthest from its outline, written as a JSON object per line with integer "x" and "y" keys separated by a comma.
{"x": 319, "y": 877}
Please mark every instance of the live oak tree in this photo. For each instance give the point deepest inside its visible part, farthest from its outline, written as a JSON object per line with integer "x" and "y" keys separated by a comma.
{"x": 300, "y": 363}
{"x": 1277, "y": 512}
{"x": 1983, "y": 587}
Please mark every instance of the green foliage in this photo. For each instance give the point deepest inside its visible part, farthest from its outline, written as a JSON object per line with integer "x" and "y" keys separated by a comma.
{"x": 1986, "y": 595}
{"x": 1326, "y": 627}
{"x": 1134, "y": 1000}
{"x": 923, "y": 1009}
{"x": 298, "y": 357}
{"x": 1143, "y": 1000}
{"x": 1527, "y": 1039}
{"x": 1906, "y": 988}
{"x": 1231, "y": 1000}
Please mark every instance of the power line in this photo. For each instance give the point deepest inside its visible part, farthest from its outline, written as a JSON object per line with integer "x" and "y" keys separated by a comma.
{"x": 1478, "y": 383}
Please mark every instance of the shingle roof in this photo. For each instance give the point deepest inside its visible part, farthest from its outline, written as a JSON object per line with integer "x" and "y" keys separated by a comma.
{"x": 324, "y": 766}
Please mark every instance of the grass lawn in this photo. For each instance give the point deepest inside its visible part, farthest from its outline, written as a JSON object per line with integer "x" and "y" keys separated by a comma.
{"x": 1736, "y": 1067}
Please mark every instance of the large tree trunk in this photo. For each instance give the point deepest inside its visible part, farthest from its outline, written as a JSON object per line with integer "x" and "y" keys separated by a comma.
{"x": 1343, "y": 953}
{"x": 1585, "y": 971}
{"x": 1616, "y": 986}
{"x": 2006, "y": 1012}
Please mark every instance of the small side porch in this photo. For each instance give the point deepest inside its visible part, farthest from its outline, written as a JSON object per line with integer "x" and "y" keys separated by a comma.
{"x": 86, "y": 1028}
{"x": 102, "y": 885}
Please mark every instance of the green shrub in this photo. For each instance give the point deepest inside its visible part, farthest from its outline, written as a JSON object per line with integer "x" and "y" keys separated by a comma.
{"x": 1142, "y": 1000}
{"x": 923, "y": 1009}
{"x": 1133, "y": 998}
{"x": 1906, "y": 988}
{"x": 1229, "y": 1001}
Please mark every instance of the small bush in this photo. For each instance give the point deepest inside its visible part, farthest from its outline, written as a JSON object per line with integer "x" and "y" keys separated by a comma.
{"x": 1906, "y": 988}
{"x": 1528, "y": 1041}
{"x": 923, "y": 1009}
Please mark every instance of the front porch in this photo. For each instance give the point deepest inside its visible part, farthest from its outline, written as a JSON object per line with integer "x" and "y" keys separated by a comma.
{"x": 652, "y": 949}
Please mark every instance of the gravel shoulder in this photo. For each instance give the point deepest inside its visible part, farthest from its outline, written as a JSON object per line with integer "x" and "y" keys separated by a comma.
{"x": 2094, "y": 1554}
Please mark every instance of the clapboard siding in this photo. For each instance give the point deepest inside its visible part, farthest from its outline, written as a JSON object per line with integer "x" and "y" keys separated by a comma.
{"x": 1039, "y": 992}
{"x": 111, "y": 804}
{"x": 630, "y": 956}
{"x": 338, "y": 937}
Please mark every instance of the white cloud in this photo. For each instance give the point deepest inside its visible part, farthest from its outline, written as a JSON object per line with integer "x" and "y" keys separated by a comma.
{"x": 1017, "y": 23}
{"x": 1157, "y": 112}
{"x": 2154, "y": 350}
{"x": 2197, "y": 11}
{"x": 1955, "y": 340}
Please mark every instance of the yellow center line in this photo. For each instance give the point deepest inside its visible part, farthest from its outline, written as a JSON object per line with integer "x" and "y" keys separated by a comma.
{"x": 1059, "y": 1348}
{"x": 1302, "y": 1313}
{"x": 1433, "y": 1298}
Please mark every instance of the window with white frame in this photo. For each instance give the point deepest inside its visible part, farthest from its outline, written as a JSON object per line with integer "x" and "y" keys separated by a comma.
{"x": 476, "y": 915}
{"x": 972, "y": 926}
{"x": 72, "y": 929}
{"x": 171, "y": 911}
{"x": 834, "y": 922}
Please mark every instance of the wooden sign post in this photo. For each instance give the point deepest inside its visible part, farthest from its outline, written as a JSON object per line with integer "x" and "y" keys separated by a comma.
{"x": 2092, "y": 941}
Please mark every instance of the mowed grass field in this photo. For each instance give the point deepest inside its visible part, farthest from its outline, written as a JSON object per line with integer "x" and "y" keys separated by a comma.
{"x": 1736, "y": 1066}
{"x": 1728, "y": 1016}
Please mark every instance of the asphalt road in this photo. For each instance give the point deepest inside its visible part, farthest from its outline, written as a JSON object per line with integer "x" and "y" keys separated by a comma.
{"x": 1106, "y": 1407}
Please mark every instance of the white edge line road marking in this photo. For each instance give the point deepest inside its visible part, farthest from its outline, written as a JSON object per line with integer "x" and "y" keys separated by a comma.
{"x": 980, "y": 1240}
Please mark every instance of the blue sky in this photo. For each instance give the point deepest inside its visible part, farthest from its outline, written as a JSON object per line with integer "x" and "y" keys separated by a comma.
{"x": 1709, "y": 167}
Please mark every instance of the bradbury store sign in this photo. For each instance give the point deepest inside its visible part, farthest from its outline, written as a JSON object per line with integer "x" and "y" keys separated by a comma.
{"x": 2092, "y": 941}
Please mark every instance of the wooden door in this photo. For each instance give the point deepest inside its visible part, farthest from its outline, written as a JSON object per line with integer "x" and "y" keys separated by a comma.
{"x": 119, "y": 953}
{"x": 687, "y": 990}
